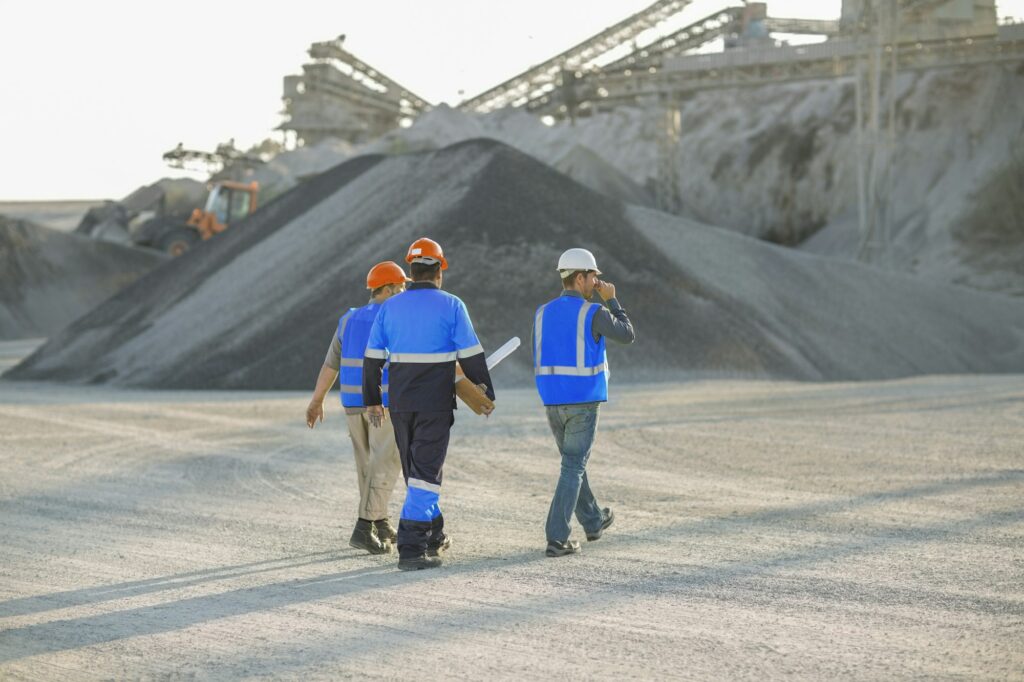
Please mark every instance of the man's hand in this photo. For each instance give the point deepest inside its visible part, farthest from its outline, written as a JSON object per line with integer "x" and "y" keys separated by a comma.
{"x": 486, "y": 409}
{"x": 315, "y": 412}
{"x": 376, "y": 415}
{"x": 606, "y": 290}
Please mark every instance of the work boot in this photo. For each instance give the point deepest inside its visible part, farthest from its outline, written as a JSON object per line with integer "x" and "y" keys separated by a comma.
{"x": 609, "y": 517}
{"x": 364, "y": 537}
{"x": 385, "y": 531}
{"x": 418, "y": 563}
{"x": 442, "y": 545}
{"x": 556, "y": 548}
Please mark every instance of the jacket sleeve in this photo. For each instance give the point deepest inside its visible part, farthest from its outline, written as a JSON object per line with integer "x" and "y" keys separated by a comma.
{"x": 613, "y": 324}
{"x": 475, "y": 369}
{"x": 373, "y": 363}
{"x": 469, "y": 352}
{"x": 333, "y": 359}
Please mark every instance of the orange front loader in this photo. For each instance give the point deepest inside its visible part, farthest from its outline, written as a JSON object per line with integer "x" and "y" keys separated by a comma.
{"x": 228, "y": 201}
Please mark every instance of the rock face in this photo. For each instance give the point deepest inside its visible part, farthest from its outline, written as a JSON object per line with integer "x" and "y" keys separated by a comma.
{"x": 256, "y": 306}
{"x": 49, "y": 278}
{"x": 778, "y": 162}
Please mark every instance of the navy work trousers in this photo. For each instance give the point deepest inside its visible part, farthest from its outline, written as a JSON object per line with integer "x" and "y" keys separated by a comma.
{"x": 422, "y": 439}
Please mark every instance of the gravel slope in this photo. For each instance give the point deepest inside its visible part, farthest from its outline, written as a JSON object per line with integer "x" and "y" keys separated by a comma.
{"x": 48, "y": 279}
{"x": 255, "y": 308}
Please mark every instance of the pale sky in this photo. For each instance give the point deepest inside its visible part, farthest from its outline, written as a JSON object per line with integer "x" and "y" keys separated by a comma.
{"x": 92, "y": 93}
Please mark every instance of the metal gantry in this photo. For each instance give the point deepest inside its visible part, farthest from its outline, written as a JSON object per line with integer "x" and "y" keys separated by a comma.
{"x": 338, "y": 95}
{"x": 649, "y": 60}
{"x": 544, "y": 77}
{"x": 583, "y": 80}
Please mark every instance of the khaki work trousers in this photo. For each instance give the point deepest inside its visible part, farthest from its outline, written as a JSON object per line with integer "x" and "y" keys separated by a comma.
{"x": 377, "y": 465}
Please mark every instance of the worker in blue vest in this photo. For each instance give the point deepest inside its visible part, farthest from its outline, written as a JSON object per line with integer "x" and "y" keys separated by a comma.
{"x": 571, "y": 371}
{"x": 375, "y": 450}
{"x": 422, "y": 333}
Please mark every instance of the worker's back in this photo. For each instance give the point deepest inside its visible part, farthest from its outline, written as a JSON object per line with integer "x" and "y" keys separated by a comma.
{"x": 424, "y": 331}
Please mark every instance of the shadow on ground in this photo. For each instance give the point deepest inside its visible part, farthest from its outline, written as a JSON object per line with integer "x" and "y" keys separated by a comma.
{"x": 67, "y": 634}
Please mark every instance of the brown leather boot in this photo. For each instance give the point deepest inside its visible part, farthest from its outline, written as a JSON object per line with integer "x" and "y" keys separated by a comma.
{"x": 385, "y": 531}
{"x": 365, "y": 537}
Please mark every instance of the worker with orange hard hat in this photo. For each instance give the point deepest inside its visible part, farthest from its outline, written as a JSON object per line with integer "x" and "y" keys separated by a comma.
{"x": 422, "y": 333}
{"x": 376, "y": 453}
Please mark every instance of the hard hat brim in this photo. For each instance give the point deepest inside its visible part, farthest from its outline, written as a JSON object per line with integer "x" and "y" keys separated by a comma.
{"x": 430, "y": 260}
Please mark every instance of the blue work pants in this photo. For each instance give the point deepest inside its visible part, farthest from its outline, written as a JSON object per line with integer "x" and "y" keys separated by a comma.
{"x": 574, "y": 428}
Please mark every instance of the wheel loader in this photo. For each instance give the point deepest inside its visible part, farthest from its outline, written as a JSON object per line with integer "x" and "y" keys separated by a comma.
{"x": 227, "y": 203}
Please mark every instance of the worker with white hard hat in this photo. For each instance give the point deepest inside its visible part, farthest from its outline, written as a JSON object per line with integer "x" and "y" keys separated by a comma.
{"x": 423, "y": 333}
{"x": 571, "y": 372}
{"x": 375, "y": 450}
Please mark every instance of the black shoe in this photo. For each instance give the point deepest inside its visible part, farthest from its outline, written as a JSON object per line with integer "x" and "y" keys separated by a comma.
{"x": 385, "y": 531}
{"x": 609, "y": 518}
{"x": 418, "y": 563}
{"x": 364, "y": 537}
{"x": 435, "y": 548}
{"x": 562, "y": 548}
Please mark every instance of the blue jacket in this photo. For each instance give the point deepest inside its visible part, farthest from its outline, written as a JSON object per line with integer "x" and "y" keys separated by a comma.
{"x": 422, "y": 332}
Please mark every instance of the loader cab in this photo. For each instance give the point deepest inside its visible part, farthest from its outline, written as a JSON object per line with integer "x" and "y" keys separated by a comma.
{"x": 228, "y": 202}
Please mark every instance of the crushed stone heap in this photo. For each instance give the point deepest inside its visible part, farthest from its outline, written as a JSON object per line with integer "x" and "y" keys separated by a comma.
{"x": 255, "y": 307}
{"x": 49, "y": 278}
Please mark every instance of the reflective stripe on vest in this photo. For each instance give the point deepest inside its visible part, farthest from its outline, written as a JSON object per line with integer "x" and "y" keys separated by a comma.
{"x": 569, "y": 365}
{"x": 357, "y": 390}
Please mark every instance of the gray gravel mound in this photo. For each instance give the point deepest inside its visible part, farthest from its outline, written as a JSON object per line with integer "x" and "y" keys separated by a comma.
{"x": 586, "y": 167}
{"x": 49, "y": 278}
{"x": 255, "y": 307}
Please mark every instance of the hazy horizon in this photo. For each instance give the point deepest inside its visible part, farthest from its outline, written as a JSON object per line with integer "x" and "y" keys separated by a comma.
{"x": 103, "y": 89}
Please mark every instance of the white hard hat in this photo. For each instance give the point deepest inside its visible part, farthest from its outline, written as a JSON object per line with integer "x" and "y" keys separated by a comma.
{"x": 576, "y": 259}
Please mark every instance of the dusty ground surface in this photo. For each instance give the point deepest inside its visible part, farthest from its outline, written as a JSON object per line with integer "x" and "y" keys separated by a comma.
{"x": 764, "y": 530}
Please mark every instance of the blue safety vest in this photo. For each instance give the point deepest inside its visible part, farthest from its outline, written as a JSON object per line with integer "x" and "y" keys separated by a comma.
{"x": 353, "y": 331}
{"x": 568, "y": 365}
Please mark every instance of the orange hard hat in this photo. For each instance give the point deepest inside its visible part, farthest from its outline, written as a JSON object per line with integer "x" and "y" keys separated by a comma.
{"x": 388, "y": 272}
{"x": 426, "y": 250}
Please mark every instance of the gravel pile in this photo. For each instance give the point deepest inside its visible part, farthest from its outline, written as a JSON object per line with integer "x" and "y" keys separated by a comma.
{"x": 49, "y": 278}
{"x": 255, "y": 307}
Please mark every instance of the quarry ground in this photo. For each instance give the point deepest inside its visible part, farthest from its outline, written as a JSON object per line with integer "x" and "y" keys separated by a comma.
{"x": 764, "y": 529}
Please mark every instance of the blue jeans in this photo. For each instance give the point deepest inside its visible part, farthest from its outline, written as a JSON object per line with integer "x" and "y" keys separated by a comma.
{"x": 574, "y": 428}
